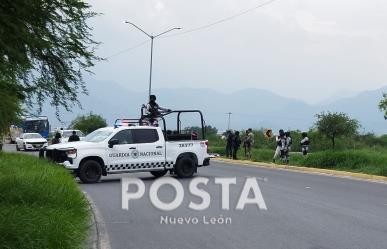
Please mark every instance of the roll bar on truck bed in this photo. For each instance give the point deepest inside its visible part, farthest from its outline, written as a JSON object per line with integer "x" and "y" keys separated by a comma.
{"x": 143, "y": 121}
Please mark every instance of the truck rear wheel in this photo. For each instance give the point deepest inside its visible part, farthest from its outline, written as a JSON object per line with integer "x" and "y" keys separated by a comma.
{"x": 159, "y": 173}
{"x": 90, "y": 171}
{"x": 185, "y": 167}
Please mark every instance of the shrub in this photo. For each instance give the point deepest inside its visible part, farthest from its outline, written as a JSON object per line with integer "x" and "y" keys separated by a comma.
{"x": 41, "y": 206}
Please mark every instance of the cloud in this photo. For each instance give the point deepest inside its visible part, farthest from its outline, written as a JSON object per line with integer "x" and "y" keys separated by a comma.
{"x": 305, "y": 49}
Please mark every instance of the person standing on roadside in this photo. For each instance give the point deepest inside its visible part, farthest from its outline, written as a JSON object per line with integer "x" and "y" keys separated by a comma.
{"x": 281, "y": 145}
{"x": 248, "y": 142}
{"x": 229, "y": 138}
{"x": 304, "y": 143}
{"x": 289, "y": 141}
{"x": 244, "y": 142}
{"x": 236, "y": 143}
{"x": 74, "y": 137}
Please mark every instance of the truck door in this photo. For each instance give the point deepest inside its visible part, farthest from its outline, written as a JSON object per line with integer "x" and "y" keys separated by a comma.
{"x": 150, "y": 148}
{"x": 122, "y": 156}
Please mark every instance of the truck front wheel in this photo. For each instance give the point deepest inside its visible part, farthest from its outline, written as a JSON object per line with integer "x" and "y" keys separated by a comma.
{"x": 185, "y": 167}
{"x": 90, "y": 172}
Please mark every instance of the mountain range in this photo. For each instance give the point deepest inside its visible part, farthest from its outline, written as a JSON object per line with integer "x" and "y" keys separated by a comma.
{"x": 253, "y": 108}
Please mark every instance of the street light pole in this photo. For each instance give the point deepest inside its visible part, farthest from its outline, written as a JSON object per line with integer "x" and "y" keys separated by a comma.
{"x": 152, "y": 37}
{"x": 228, "y": 123}
{"x": 150, "y": 70}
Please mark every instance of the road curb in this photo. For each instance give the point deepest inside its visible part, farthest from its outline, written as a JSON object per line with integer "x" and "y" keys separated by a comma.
{"x": 330, "y": 172}
{"x": 98, "y": 236}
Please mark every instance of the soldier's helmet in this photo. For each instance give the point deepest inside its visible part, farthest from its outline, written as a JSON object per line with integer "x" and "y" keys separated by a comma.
{"x": 152, "y": 97}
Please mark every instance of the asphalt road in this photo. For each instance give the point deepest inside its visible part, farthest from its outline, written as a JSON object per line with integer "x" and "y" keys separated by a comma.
{"x": 12, "y": 148}
{"x": 304, "y": 211}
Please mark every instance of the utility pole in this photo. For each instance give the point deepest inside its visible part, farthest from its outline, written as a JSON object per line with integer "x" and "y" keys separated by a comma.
{"x": 229, "y": 119}
{"x": 152, "y": 37}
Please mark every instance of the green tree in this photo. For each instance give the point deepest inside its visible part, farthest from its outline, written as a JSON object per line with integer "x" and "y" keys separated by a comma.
{"x": 383, "y": 105}
{"x": 45, "y": 46}
{"x": 10, "y": 106}
{"x": 88, "y": 123}
{"x": 210, "y": 130}
{"x": 333, "y": 125}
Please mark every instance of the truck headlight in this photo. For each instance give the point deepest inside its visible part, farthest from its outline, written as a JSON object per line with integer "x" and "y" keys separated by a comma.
{"x": 71, "y": 153}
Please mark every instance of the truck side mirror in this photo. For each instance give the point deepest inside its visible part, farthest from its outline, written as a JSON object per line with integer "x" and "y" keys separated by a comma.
{"x": 113, "y": 142}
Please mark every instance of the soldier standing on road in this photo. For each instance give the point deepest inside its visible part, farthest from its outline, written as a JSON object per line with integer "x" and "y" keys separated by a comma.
{"x": 74, "y": 137}
{"x": 289, "y": 142}
{"x": 249, "y": 142}
{"x": 281, "y": 145}
{"x": 229, "y": 136}
{"x": 236, "y": 143}
{"x": 304, "y": 143}
{"x": 244, "y": 142}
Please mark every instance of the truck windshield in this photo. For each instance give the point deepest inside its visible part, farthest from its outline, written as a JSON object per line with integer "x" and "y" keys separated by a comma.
{"x": 69, "y": 133}
{"x": 97, "y": 136}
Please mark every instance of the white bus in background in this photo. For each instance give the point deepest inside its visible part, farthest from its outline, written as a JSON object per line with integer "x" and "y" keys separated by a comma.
{"x": 14, "y": 132}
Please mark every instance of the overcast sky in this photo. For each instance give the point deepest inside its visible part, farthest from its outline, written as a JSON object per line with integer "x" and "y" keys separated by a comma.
{"x": 305, "y": 49}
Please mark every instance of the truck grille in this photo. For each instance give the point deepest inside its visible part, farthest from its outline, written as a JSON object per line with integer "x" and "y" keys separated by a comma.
{"x": 58, "y": 156}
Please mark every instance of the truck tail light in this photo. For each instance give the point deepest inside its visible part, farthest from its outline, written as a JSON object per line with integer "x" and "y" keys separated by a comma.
{"x": 204, "y": 144}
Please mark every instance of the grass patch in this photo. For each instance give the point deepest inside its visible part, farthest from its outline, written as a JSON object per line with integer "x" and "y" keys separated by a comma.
{"x": 366, "y": 161}
{"x": 40, "y": 205}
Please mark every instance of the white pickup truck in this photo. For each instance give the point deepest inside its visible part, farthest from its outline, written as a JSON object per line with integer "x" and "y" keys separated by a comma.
{"x": 126, "y": 149}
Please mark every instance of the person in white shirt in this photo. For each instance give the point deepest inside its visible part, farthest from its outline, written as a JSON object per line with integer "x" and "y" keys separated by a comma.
{"x": 304, "y": 143}
{"x": 281, "y": 145}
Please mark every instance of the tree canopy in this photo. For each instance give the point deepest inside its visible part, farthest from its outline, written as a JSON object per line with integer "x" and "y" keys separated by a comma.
{"x": 10, "y": 107}
{"x": 88, "y": 123}
{"x": 333, "y": 125}
{"x": 45, "y": 46}
{"x": 383, "y": 105}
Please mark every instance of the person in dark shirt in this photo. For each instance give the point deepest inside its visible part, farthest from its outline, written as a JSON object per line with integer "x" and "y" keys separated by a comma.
{"x": 236, "y": 143}
{"x": 74, "y": 137}
{"x": 229, "y": 137}
{"x": 153, "y": 110}
{"x": 56, "y": 139}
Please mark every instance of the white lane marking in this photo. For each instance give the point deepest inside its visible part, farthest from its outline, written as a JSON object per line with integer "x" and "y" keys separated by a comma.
{"x": 307, "y": 187}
